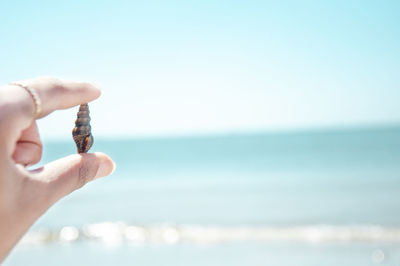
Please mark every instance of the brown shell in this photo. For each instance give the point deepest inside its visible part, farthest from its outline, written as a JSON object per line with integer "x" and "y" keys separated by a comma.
{"x": 82, "y": 131}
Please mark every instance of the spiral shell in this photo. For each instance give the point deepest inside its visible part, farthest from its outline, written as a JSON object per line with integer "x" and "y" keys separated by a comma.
{"x": 82, "y": 131}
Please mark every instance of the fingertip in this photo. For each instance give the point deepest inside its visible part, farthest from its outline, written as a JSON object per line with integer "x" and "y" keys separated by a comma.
{"x": 27, "y": 153}
{"x": 106, "y": 165}
{"x": 93, "y": 89}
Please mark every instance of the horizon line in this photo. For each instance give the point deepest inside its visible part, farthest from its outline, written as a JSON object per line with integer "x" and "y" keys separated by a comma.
{"x": 260, "y": 131}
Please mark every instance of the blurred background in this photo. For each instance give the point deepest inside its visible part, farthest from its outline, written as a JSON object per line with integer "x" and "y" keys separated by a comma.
{"x": 244, "y": 132}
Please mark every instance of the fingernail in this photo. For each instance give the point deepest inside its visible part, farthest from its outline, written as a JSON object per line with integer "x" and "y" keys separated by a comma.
{"x": 106, "y": 168}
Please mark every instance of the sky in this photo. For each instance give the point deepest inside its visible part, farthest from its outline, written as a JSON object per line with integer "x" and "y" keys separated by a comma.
{"x": 199, "y": 67}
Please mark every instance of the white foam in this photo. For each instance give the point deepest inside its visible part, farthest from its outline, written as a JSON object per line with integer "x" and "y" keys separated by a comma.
{"x": 116, "y": 233}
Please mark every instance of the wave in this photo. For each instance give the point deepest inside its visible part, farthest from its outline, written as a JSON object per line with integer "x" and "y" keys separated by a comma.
{"x": 120, "y": 232}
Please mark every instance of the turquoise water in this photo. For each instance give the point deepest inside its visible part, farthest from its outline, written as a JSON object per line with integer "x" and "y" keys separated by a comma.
{"x": 305, "y": 198}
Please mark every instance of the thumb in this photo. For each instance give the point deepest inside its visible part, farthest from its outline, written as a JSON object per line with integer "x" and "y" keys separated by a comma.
{"x": 72, "y": 172}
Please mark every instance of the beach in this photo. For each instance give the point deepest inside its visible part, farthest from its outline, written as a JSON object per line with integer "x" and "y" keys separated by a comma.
{"x": 313, "y": 197}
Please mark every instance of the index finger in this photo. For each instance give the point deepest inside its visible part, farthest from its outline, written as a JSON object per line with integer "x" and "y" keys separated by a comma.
{"x": 58, "y": 94}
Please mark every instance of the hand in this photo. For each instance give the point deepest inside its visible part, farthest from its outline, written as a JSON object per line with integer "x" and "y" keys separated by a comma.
{"x": 26, "y": 195}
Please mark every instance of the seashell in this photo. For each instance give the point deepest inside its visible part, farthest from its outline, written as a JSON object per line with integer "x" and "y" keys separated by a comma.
{"x": 82, "y": 131}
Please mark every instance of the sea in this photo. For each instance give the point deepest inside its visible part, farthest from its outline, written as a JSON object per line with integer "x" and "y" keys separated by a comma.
{"x": 313, "y": 197}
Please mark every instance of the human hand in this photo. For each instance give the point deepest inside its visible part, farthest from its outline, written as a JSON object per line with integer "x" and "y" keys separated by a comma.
{"x": 26, "y": 194}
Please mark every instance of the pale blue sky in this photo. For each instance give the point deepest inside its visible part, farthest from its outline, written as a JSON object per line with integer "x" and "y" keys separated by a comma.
{"x": 178, "y": 67}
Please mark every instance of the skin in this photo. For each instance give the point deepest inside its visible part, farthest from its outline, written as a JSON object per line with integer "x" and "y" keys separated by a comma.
{"x": 26, "y": 194}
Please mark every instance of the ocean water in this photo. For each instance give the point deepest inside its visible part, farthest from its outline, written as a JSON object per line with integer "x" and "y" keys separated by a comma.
{"x": 329, "y": 197}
